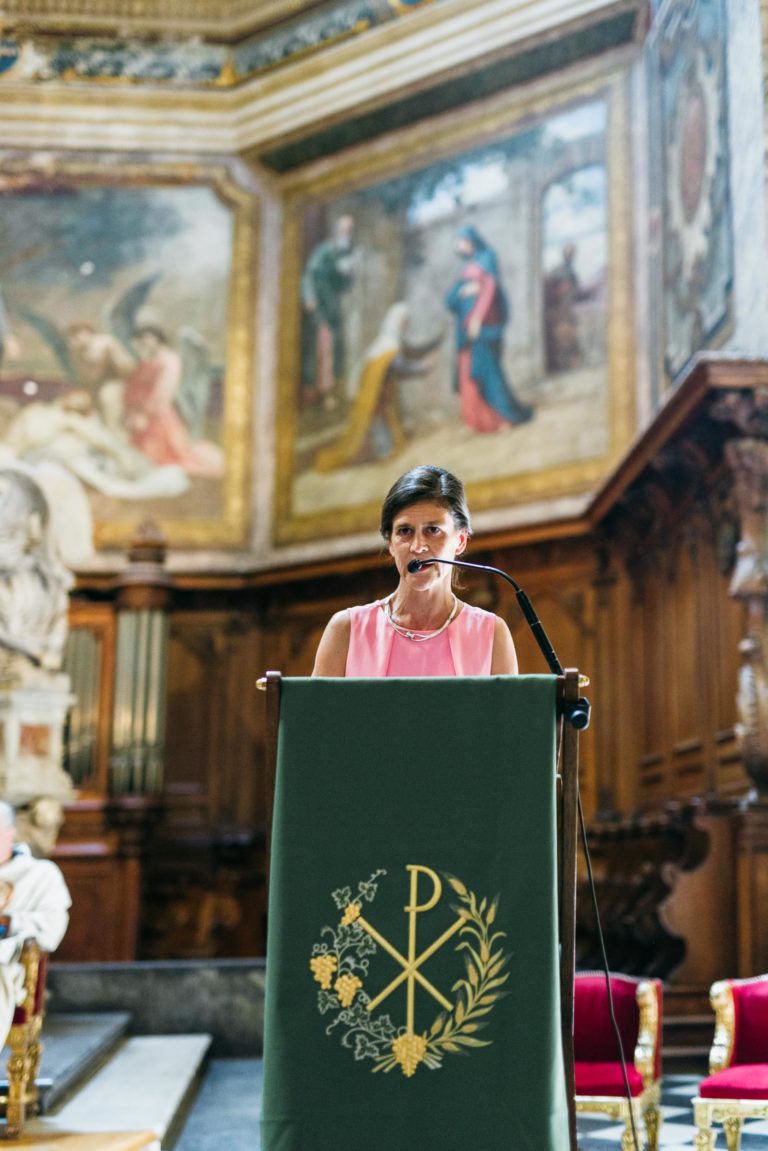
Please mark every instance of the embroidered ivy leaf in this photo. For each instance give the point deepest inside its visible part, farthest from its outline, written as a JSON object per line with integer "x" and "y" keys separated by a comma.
{"x": 326, "y": 1001}
{"x": 359, "y": 1016}
{"x": 383, "y": 1027}
{"x": 348, "y": 935}
{"x": 341, "y": 896}
{"x": 368, "y": 888}
{"x": 366, "y": 946}
{"x": 364, "y": 1049}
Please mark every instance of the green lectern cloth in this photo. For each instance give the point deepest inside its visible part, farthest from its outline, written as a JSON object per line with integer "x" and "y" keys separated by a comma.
{"x": 412, "y": 980}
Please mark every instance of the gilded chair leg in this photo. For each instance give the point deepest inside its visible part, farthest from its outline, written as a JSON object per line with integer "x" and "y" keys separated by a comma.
{"x": 628, "y": 1139}
{"x": 732, "y": 1126}
{"x": 18, "y": 1073}
{"x": 35, "y": 1055}
{"x": 653, "y": 1120}
{"x": 704, "y": 1140}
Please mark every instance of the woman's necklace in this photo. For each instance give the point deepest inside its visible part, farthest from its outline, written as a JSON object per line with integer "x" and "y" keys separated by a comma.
{"x": 418, "y": 636}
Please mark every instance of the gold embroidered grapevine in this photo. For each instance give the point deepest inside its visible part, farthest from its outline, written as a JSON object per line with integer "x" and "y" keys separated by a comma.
{"x": 340, "y": 965}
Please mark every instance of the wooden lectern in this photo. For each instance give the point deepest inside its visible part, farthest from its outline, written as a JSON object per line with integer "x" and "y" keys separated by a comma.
{"x": 348, "y": 996}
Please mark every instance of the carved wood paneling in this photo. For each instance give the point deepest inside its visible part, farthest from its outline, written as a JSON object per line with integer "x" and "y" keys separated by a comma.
{"x": 98, "y": 884}
{"x": 213, "y": 772}
{"x": 204, "y": 885}
{"x": 691, "y": 489}
{"x": 641, "y": 603}
{"x": 701, "y": 908}
{"x": 686, "y": 632}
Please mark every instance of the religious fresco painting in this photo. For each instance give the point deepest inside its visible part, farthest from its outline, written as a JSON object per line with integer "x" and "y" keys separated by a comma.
{"x": 126, "y": 358}
{"x": 697, "y": 255}
{"x": 457, "y": 311}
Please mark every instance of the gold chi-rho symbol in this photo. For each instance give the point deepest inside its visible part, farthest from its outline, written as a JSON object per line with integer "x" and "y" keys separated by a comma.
{"x": 411, "y": 964}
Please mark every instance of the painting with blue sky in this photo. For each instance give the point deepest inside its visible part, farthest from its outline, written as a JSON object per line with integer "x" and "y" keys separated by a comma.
{"x": 457, "y": 311}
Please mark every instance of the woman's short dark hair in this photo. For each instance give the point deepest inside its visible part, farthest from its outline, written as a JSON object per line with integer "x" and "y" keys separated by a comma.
{"x": 426, "y": 483}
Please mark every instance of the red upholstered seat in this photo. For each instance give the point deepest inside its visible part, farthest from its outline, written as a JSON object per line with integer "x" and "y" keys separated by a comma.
{"x": 606, "y": 1079}
{"x": 746, "y": 1081}
{"x": 600, "y": 1084}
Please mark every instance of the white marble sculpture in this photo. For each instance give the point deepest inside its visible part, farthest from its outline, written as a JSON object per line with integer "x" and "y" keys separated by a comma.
{"x": 34, "y": 693}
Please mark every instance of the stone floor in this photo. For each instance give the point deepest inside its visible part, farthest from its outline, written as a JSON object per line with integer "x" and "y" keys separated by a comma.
{"x": 96, "y": 1077}
{"x": 225, "y": 1115}
{"x": 226, "y": 1112}
{"x": 677, "y": 1132}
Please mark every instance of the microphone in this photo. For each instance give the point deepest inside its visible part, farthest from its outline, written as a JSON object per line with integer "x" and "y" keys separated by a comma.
{"x": 579, "y": 713}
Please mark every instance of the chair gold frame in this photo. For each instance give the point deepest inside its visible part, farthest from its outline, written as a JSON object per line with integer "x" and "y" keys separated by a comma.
{"x": 24, "y": 1042}
{"x": 731, "y": 1113}
{"x": 646, "y": 1106}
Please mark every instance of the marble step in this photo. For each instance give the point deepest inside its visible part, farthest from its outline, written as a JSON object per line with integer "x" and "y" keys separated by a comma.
{"x": 74, "y": 1046}
{"x": 226, "y": 1112}
{"x": 145, "y": 1087}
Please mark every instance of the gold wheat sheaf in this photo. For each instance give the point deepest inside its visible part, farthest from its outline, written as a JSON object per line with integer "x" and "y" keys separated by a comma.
{"x": 476, "y": 994}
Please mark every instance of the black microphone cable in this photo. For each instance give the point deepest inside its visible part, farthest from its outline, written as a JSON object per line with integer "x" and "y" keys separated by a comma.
{"x": 605, "y": 971}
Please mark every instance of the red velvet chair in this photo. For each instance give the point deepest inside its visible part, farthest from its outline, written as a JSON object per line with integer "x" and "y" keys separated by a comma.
{"x": 737, "y": 1086}
{"x": 600, "y": 1088}
{"x": 24, "y": 1042}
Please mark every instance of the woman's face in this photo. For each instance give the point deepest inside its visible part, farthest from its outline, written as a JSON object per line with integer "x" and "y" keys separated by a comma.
{"x": 421, "y": 531}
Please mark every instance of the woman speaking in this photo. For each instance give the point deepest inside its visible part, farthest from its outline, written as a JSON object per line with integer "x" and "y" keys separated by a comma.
{"x": 422, "y": 628}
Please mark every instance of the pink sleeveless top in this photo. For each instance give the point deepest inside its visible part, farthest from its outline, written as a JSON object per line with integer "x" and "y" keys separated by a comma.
{"x": 375, "y": 648}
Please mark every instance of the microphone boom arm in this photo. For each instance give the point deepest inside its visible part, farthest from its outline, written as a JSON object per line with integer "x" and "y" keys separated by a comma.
{"x": 579, "y": 713}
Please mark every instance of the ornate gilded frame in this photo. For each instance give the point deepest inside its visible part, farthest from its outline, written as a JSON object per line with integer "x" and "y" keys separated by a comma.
{"x": 407, "y": 151}
{"x": 721, "y": 1052}
{"x": 230, "y": 529}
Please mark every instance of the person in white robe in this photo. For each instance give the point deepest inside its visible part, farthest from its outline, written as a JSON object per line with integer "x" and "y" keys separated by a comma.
{"x": 34, "y": 903}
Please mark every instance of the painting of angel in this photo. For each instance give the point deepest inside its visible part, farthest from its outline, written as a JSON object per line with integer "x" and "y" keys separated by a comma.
{"x": 118, "y": 363}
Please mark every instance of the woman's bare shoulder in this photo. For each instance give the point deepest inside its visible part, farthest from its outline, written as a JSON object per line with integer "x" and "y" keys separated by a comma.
{"x": 332, "y": 651}
{"x": 504, "y": 657}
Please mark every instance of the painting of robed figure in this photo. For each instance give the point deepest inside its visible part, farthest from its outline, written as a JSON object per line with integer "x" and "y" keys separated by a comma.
{"x": 119, "y": 364}
{"x": 456, "y": 309}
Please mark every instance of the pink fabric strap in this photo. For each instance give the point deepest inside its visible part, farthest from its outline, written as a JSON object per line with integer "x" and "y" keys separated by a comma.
{"x": 370, "y": 641}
